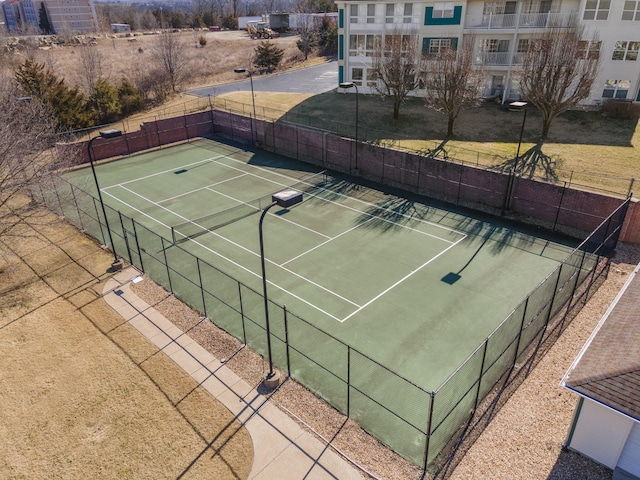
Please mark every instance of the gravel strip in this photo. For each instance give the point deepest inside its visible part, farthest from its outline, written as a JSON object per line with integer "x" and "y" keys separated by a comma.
{"x": 521, "y": 438}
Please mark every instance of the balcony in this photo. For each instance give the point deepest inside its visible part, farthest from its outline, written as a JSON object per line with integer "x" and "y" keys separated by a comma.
{"x": 525, "y": 20}
{"x": 491, "y": 58}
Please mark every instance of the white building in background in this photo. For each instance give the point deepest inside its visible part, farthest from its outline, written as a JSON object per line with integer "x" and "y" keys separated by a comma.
{"x": 63, "y": 15}
{"x": 501, "y": 31}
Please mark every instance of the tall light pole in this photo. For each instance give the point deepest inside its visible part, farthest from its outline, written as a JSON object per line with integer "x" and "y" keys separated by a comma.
{"x": 524, "y": 120}
{"x": 284, "y": 199}
{"x": 117, "y": 264}
{"x": 346, "y": 85}
{"x": 253, "y": 100}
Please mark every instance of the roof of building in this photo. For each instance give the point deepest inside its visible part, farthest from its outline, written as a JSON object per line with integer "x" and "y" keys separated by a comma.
{"x": 608, "y": 367}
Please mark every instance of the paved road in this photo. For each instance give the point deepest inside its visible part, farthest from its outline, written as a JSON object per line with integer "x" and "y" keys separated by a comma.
{"x": 317, "y": 79}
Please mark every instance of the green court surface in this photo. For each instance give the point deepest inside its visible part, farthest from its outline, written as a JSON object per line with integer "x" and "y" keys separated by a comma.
{"x": 415, "y": 287}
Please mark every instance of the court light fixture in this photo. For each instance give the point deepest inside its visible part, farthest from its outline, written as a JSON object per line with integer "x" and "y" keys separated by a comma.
{"x": 285, "y": 199}
{"x": 253, "y": 99}
{"x": 112, "y": 133}
{"x": 347, "y": 85}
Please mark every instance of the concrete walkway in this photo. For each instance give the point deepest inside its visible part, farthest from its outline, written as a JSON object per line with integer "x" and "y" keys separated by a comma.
{"x": 282, "y": 449}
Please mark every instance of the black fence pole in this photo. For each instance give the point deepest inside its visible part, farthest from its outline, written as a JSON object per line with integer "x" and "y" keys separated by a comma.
{"x": 286, "y": 340}
{"x": 484, "y": 356}
{"x": 166, "y": 263}
{"x": 428, "y": 438}
{"x": 126, "y": 239}
{"x": 348, "y": 381}
{"x": 524, "y": 316}
{"x": 204, "y": 303}
{"x": 104, "y": 242}
{"x": 135, "y": 234}
{"x": 75, "y": 201}
{"x": 244, "y": 329}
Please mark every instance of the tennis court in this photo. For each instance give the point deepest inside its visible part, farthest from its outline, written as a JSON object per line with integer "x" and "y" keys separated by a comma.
{"x": 413, "y": 286}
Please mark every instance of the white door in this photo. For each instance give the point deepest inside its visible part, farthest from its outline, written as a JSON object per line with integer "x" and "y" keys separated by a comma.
{"x": 629, "y": 460}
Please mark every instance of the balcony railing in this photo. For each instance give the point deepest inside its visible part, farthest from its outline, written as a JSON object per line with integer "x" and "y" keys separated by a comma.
{"x": 492, "y": 58}
{"x": 525, "y": 20}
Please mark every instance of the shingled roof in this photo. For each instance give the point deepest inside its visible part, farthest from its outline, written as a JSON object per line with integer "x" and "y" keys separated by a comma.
{"x": 608, "y": 368}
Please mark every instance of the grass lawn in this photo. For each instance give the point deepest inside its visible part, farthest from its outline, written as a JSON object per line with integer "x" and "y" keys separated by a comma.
{"x": 588, "y": 150}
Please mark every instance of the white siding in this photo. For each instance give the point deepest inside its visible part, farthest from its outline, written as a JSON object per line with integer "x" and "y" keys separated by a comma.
{"x": 630, "y": 456}
{"x": 600, "y": 433}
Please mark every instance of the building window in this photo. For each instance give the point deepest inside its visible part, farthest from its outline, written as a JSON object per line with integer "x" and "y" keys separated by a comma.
{"x": 439, "y": 45}
{"x": 371, "y": 13}
{"x": 589, "y": 49}
{"x": 631, "y": 11}
{"x": 596, "y": 10}
{"x": 363, "y": 45}
{"x": 626, "y": 50}
{"x": 616, "y": 89}
{"x": 353, "y": 13}
{"x": 408, "y": 12}
{"x": 389, "y": 13}
{"x": 523, "y": 45}
{"x": 372, "y": 78}
{"x": 356, "y": 76}
{"x": 443, "y": 10}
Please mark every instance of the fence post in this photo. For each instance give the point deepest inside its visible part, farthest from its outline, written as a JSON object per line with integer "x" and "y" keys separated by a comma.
{"x": 555, "y": 222}
{"x": 524, "y": 315}
{"x": 204, "y": 303}
{"x": 432, "y": 397}
{"x": 484, "y": 356}
{"x": 286, "y": 339}
{"x": 348, "y": 381}
{"x": 244, "y": 330}
{"x": 166, "y": 263}
{"x": 126, "y": 239}
{"x": 75, "y": 201}
{"x": 135, "y": 234}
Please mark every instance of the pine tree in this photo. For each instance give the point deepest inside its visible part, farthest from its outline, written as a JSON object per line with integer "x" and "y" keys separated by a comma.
{"x": 66, "y": 104}
{"x": 104, "y": 102}
{"x": 268, "y": 56}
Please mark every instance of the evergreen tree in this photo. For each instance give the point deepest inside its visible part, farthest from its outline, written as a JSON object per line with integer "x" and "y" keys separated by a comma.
{"x": 66, "y": 104}
{"x": 104, "y": 102}
{"x": 130, "y": 99}
{"x": 268, "y": 56}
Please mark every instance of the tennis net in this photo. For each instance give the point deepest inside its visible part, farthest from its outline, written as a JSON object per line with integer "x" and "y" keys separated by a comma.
{"x": 208, "y": 223}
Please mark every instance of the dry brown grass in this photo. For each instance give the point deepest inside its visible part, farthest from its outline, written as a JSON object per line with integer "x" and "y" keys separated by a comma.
{"x": 83, "y": 395}
{"x": 127, "y": 56}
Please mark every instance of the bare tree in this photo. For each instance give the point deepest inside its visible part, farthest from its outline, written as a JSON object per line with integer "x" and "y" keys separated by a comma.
{"x": 451, "y": 80}
{"x": 396, "y": 65}
{"x": 27, "y": 133}
{"x": 557, "y": 73}
{"x": 90, "y": 66}
{"x": 172, "y": 57}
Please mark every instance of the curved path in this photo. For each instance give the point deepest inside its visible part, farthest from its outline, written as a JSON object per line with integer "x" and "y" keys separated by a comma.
{"x": 282, "y": 449}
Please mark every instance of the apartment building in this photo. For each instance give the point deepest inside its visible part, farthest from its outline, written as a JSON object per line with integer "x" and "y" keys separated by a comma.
{"x": 500, "y": 32}
{"x": 63, "y": 15}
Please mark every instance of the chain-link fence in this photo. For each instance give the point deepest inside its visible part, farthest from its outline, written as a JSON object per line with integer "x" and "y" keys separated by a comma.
{"x": 416, "y": 423}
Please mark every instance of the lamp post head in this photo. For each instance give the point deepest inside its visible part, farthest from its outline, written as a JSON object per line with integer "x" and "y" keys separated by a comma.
{"x": 346, "y": 84}
{"x": 112, "y": 133}
{"x": 287, "y": 198}
{"x": 239, "y": 70}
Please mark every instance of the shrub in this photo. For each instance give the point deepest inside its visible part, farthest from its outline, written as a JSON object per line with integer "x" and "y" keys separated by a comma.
{"x": 202, "y": 41}
{"x": 623, "y": 109}
{"x": 268, "y": 56}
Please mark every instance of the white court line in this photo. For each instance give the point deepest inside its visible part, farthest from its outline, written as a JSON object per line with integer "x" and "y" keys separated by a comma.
{"x": 330, "y": 191}
{"x": 400, "y": 281}
{"x": 201, "y": 188}
{"x": 242, "y": 248}
{"x": 324, "y": 243}
{"x": 177, "y": 167}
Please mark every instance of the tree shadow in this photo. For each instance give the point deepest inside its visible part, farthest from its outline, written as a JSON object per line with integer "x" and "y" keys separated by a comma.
{"x": 533, "y": 163}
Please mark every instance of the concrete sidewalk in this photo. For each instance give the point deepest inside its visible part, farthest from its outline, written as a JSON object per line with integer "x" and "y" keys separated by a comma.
{"x": 282, "y": 449}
